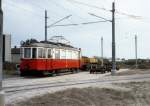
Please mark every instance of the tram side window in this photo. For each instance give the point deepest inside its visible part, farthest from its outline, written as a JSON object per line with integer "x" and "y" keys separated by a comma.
{"x": 40, "y": 52}
{"x": 44, "y": 52}
{"x": 74, "y": 55}
{"x": 57, "y": 54}
{"x": 69, "y": 54}
{"x": 27, "y": 52}
{"x": 49, "y": 55}
{"x": 63, "y": 54}
{"x": 34, "y": 53}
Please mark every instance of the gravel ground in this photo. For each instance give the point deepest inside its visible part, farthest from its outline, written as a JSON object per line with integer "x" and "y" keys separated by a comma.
{"x": 131, "y": 94}
{"x": 104, "y": 81}
{"x": 133, "y": 72}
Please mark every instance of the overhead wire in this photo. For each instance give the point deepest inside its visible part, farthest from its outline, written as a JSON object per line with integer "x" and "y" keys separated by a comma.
{"x": 129, "y": 15}
{"x": 99, "y": 17}
{"x": 88, "y": 5}
{"x": 53, "y": 24}
{"x": 42, "y": 8}
{"x": 67, "y": 10}
{"x": 40, "y": 16}
{"x": 27, "y": 10}
{"x": 92, "y": 22}
{"x": 84, "y": 23}
{"x": 13, "y": 5}
{"x": 59, "y": 21}
{"x": 85, "y": 4}
{"x": 96, "y": 7}
{"x": 16, "y": 6}
{"x": 45, "y": 8}
{"x": 65, "y": 25}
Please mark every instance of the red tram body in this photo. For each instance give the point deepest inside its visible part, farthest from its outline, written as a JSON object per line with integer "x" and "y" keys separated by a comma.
{"x": 49, "y": 57}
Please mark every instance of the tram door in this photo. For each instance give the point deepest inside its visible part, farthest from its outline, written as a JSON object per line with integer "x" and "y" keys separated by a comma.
{"x": 49, "y": 59}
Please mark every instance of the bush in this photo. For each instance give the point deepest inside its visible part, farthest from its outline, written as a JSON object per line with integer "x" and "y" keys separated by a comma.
{"x": 9, "y": 66}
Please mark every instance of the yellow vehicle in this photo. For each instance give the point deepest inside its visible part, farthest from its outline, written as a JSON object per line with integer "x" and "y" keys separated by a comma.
{"x": 93, "y": 60}
{"x": 86, "y": 61}
{"x": 95, "y": 65}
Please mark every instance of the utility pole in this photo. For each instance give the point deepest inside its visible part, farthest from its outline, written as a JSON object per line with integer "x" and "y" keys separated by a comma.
{"x": 136, "y": 64}
{"x": 113, "y": 71}
{"x": 53, "y": 24}
{"x": 46, "y": 25}
{"x": 1, "y": 55}
{"x": 102, "y": 51}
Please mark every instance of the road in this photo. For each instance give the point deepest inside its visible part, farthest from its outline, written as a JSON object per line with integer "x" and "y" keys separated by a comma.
{"x": 20, "y": 88}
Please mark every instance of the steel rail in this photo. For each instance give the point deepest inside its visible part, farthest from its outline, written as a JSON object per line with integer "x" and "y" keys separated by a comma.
{"x": 60, "y": 84}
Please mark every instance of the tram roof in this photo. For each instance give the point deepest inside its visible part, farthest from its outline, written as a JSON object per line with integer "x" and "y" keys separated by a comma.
{"x": 49, "y": 45}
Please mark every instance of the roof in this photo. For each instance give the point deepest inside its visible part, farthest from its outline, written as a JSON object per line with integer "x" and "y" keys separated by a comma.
{"x": 15, "y": 51}
{"x": 50, "y": 45}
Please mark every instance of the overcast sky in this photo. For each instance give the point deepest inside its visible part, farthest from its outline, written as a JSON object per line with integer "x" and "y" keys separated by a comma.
{"x": 24, "y": 19}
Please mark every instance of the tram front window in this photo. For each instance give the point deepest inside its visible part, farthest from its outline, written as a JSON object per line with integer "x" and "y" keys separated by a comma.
{"x": 27, "y": 52}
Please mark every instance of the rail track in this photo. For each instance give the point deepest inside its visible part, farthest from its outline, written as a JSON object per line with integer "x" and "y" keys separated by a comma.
{"x": 25, "y": 88}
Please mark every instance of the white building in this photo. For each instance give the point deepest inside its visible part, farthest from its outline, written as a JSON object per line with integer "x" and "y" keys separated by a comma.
{"x": 7, "y": 48}
{"x": 15, "y": 54}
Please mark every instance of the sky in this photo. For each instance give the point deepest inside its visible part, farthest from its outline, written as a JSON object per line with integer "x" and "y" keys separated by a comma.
{"x": 24, "y": 19}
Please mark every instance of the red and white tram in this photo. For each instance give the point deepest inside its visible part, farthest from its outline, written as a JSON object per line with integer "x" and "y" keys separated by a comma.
{"x": 49, "y": 57}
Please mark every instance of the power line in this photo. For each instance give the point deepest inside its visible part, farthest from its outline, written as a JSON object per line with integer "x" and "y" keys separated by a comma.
{"x": 43, "y": 9}
{"x": 103, "y": 17}
{"x": 67, "y": 10}
{"x": 96, "y": 7}
{"x": 85, "y": 23}
{"x": 88, "y": 5}
{"x": 60, "y": 6}
{"x": 36, "y": 5}
{"x": 27, "y": 10}
{"x": 66, "y": 25}
{"x": 59, "y": 21}
{"x": 129, "y": 15}
{"x": 99, "y": 17}
{"x": 92, "y": 22}
{"x": 46, "y": 26}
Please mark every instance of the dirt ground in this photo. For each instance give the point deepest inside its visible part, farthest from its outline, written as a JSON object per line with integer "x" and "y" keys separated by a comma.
{"x": 134, "y": 71}
{"x": 10, "y": 74}
{"x": 131, "y": 94}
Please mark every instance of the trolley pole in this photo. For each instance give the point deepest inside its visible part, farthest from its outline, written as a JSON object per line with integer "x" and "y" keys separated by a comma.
{"x": 46, "y": 25}
{"x": 113, "y": 71}
{"x": 102, "y": 51}
{"x": 136, "y": 64}
{"x": 1, "y": 55}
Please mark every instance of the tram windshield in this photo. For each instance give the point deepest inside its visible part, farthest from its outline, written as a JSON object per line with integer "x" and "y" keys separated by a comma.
{"x": 27, "y": 52}
{"x": 30, "y": 53}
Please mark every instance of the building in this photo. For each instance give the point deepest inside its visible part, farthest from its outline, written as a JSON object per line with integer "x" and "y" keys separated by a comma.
{"x": 16, "y": 55}
{"x": 6, "y": 48}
